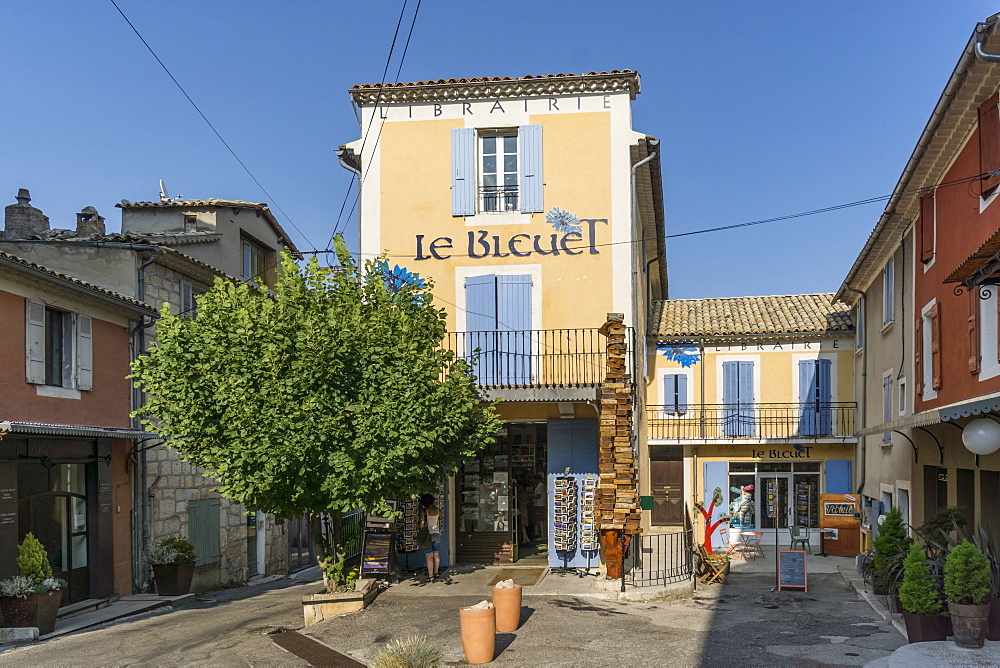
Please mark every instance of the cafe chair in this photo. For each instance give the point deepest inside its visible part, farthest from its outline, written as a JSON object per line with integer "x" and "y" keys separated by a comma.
{"x": 799, "y": 536}
{"x": 715, "y": 566}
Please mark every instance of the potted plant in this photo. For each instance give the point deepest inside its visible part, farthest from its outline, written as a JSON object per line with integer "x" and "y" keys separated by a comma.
{"x": 921, "y": 600}
{"x": 890, "y": 547}
{"x": 967, "y": 588}
{"x": 32, "y": 598}
{"x": 172, "y": 559}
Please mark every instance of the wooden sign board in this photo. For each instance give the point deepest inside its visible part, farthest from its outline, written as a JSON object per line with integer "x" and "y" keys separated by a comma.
{"x": 838, "y": 511}
{"x": 377, "y": 556}
{"x": 792, "y": 570}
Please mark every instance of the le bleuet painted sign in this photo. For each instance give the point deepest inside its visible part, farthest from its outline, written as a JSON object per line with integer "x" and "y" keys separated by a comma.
{"x": 573, "y": 236}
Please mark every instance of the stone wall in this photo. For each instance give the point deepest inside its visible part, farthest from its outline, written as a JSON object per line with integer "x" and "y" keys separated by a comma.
{"x": 173, "y": 483}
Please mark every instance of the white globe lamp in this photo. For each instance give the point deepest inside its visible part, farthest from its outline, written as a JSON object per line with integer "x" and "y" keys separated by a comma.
{"x": 982, "y": 436}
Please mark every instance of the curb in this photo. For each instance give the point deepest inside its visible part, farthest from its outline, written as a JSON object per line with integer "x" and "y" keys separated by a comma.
{"x": 856, "y": 583}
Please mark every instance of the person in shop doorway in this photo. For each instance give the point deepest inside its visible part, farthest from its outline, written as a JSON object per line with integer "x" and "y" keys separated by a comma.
{"x": 430, "y": 519}
{"x": 524, "y": 505}
{"x": 540, "y": 499}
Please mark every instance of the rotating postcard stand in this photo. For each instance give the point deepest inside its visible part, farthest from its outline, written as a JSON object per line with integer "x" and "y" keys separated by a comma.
{"x": 566, "y": 522}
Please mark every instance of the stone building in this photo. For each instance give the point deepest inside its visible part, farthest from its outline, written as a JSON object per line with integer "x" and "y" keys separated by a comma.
{"x": 170, "y": 252}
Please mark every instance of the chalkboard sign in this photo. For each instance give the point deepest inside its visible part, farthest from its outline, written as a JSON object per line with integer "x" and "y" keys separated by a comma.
{"x": 376, "y": 559}
{"x": 792, "y": 570}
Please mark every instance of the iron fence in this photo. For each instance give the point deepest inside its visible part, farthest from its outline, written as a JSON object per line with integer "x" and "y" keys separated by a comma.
{"x": 352, "y": 531}
{"x": 728, "y": 421}
{"x": 499, "y": 198}
{"x": 538, "y": 358}
{"x": 658, "y": 559}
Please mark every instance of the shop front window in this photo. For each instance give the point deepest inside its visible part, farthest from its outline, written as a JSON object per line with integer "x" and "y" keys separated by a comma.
{"x": 769, "y": 495}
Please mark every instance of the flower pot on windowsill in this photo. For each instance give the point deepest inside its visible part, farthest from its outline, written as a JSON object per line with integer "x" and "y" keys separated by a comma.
{"x": 925, "y": 628}
{"x": 173, "y": 579}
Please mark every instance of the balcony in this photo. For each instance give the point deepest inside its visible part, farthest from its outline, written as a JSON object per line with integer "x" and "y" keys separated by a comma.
{"x": 751, "y": 421}
{"x": 537, "y": 364}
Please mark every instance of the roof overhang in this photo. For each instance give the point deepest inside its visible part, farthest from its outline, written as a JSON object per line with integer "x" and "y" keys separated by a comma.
{"x": 649, "y": 196}
{"x": 980, "y": 268}
{"x": 38, "y": 428}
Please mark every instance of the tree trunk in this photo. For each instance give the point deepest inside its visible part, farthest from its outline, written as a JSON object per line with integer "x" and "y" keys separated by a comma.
{"x": 327, "y": 544}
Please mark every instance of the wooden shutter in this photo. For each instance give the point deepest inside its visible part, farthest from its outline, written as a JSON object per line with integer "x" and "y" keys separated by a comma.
{"x": 529, "y": 167}
{"x": 918, "y": 358}
{"x": 974, "y": 330}
{"x": 730, "y": 382}
{"x": 887, "y": 408}
{"x": 746, "y": 382}
{"x": 888, "y": 292}
{"x": 481, "y": 325}
{"x": 463, "y": 172}
{"x": 807, "y": 397}
{"x": 935, "y": 324}
{"x": 84, "y": 352}
{"x": 682, "y": 390}
{"x": 927, "y": 204}
{"x": 514, "y": 323}
{"x": 203, "y": 519}
{"x": 34, "y": 342}
{"x": 989, "y": 143}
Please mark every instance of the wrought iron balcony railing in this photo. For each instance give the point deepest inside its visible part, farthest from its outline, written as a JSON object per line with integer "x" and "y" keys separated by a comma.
{"x": 498, "y": 198}
{"x": 536, "y": 358}
{"x": 757, "y": 421}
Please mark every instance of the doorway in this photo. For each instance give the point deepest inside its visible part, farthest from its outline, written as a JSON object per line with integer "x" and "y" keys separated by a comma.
{"x": 776, "y": 509}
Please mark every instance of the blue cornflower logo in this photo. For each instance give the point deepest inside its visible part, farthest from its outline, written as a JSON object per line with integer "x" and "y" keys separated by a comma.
{"x": 398, "y": 277}
{"x": 684, "y": 354}
{"x": 563, "y": 221}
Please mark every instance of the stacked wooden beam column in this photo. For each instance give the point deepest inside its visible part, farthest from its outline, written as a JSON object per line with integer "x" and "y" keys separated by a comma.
{"x": 618, "y": 496}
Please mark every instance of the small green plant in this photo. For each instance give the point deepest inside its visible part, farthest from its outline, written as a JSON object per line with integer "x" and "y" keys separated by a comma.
{"x": 967, "y": 575}
{"x": 19, "y": 586}
{"x": 412, "y": 652}
{"x": 171, "y": 550}
{"x": 918, "y": 593}
{"x": 32, "y": 561}
{"x": 339, "y": 577}
{"x": 890, "y": 548}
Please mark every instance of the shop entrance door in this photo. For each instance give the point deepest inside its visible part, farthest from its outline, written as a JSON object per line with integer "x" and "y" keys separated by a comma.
{"x": 667, "y": 482}
{"x": 775, "y": 509}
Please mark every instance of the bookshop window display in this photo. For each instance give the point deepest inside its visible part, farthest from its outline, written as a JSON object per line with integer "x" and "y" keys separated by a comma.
{"x": 781, "y": 494}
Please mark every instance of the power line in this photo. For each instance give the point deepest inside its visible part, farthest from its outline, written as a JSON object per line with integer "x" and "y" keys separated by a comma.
{"x": 364, "y": 138}
{"x": 205, "y": 118}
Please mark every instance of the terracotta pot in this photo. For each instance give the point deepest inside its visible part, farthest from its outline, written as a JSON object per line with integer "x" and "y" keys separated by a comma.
{"x": 925, "y": 628}
{"x": 479, "y": 634}
{"x": 20, "y": 612}
{"x": 969, "y": 624}
{"x": 47, "y": 611}
{"x": 993, "y": 626}
{"x": 508, "y": 606}
{"x": 173, "y": 579}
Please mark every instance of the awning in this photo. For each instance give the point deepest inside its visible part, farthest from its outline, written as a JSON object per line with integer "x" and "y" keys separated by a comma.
{"x": 970, "y": 408}
{"x": 921, "y": 419}
{"x": 71, "y": 430}
{"x": 983, "y": 266}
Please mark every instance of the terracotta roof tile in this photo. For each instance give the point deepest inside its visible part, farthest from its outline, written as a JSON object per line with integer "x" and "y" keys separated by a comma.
{"x": 729, "y": 316}
{"x": 467, "y": 80}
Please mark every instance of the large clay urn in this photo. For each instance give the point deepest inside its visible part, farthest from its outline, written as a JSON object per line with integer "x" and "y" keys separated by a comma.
{"x": 507, "y": 603}
{"x": 479, "y": 634}
{"x": 969, "y": 624}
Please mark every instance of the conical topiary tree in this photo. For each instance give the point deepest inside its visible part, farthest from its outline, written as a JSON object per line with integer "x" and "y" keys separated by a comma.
{"x": 967, "y": 575}
{"x": 32, "y": 560}
{"x": 918, "y": 594}
{"x": 889, "y": 547}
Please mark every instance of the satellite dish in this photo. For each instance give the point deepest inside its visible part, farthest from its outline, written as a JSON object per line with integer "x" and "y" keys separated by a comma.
{"x": 164, "y": 196}
{"x": 126, "y": 202}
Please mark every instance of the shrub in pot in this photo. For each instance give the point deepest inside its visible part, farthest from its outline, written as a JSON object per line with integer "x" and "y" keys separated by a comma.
{"x": 921, "y": 600}
{"x": 32, "y": 598}
{"x": 967, "y": 588}
{"x": 172, "y": 559}
{"x": 890, "y": 547}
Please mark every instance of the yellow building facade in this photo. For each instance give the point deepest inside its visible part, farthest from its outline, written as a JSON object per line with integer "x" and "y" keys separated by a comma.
{"x": 536, "y": 210}
{"x": 749, "y": 394}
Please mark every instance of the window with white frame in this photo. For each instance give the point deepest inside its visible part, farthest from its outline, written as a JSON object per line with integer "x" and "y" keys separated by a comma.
{"x": 498, "y": 172}
{"x": 675, "y": 394}
{"x": 888, "y": 278}
{"x": 254, "y": 260}
{"x": 58, "y": 347}
{"x": 988, "y": 342}
{"x": 887, "y": 405}
{"x": 902, "y": 396}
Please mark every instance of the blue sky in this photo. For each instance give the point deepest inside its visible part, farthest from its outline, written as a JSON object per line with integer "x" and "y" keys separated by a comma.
{"x": 764, "y": 108}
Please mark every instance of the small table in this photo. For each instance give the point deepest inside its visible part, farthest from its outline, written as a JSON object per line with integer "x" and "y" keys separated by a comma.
{"x": 751, "y": 543}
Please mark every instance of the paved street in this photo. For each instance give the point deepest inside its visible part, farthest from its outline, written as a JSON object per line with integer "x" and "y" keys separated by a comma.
{"x": 740, "y": 623}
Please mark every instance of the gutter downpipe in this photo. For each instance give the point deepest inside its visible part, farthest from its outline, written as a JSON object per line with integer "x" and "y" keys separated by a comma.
{"x": 864, "y": 387}
{"x": 981, "y": 29}
{"x": 972, "y": 50}
{"x": 141, "y": 575}
{"x": 341, "y": 155}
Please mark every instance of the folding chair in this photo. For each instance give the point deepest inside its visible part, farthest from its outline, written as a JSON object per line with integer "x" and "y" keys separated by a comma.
{"x": 731, "y": 549}
{"x": 715, "y": 566}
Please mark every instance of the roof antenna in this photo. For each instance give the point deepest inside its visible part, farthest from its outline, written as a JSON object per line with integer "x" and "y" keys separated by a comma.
{"x": 164, "y": 196}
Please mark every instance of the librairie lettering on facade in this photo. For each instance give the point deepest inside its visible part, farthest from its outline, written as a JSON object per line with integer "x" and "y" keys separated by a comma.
{"x": 482, "y": 244}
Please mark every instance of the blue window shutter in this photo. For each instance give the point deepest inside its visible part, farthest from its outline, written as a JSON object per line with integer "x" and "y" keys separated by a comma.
{"x": 807, "y": 397}
{"x": 463, "y": 172}
{"x": 481, "y": 324}
{"x": 682, "y": 389}
{"x": 716, "y": 475}
{"x": 669, "y": 393}
{"x": 730, "y": 397}
{"x": 887, "y": 408}
{"x": 838, "y": 476}
{"x": 529, "y": 177}
{"x": 514, "y": 325}
{"x": 825, "y": 395}
{"x": 746, "y": 399}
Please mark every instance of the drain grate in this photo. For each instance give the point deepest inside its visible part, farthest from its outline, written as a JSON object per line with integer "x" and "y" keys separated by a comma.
{"x": 313, "y": 652}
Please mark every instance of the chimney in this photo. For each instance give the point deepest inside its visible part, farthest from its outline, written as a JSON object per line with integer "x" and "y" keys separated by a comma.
{"x": 22, "y": 220}
{"x": 89, "y": 222}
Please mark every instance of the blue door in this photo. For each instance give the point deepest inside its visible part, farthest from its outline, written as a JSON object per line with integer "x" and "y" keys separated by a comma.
{"x": 498, "y": 319}
{"x": 737, "y": 395}
{"x": 814, "y": 395}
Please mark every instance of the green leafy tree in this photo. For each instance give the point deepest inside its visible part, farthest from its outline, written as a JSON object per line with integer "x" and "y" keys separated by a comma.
{"x": 329, "y": 394}
{"x": 32, "y": 560}
{"x": 918, "y": 593}
{"x": 967, "y": 575}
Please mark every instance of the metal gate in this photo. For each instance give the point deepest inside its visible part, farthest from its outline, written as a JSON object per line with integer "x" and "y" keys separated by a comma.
{"x": 658, "y": 559}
